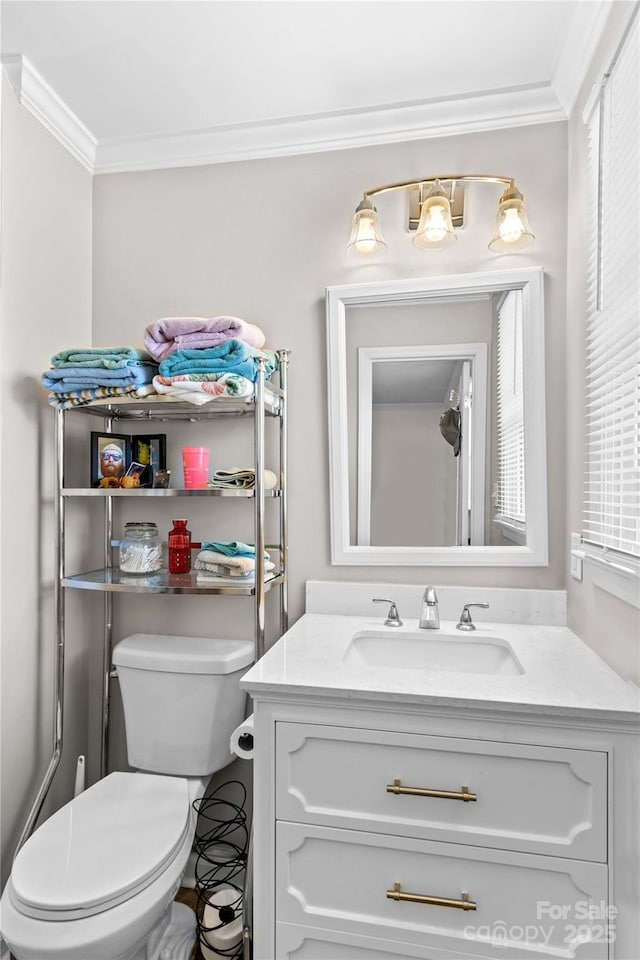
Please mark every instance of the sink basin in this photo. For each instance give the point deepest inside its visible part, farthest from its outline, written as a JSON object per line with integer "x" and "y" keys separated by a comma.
{"x": 443, "y": 653}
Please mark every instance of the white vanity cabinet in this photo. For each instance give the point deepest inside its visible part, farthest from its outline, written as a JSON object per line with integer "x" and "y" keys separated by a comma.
{"x": 503, "y": 846}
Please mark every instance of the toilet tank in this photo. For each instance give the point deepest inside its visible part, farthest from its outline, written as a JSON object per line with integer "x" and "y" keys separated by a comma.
{"x": 182, "y": 700}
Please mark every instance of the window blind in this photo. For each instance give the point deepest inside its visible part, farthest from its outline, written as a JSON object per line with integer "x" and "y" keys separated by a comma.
{"x": 509, "y": 499}
{"x": 612, "y": 438}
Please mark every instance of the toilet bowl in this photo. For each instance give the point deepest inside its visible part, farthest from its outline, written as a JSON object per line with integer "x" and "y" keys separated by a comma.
{"x": 98, "y": 879}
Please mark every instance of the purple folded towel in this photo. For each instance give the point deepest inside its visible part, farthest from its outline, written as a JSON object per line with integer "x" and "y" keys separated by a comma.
{"x": 196, "y": 333}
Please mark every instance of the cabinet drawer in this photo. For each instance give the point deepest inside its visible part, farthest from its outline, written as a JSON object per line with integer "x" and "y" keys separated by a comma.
{"x": 547, "y": 800}
{"x": 307, "y": 943}
{"x": 339, "y": 879}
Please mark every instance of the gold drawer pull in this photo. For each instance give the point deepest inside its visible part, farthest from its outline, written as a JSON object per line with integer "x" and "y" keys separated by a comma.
{"x": 464, "y": 904}
{"x": 461, "y": 794}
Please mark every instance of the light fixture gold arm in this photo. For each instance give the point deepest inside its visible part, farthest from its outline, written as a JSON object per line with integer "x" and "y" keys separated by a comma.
{"x": 448, "y": 178}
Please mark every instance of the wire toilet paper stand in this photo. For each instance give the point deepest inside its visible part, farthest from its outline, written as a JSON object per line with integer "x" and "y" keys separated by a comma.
{"x": 223, "y": 873}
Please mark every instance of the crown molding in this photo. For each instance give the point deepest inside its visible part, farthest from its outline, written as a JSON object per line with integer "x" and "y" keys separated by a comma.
{"x": 341, "y": 130}
{"x": 41, "y": 100}
{"x": 336, "y": 131}
{"x": 585, "y": 30}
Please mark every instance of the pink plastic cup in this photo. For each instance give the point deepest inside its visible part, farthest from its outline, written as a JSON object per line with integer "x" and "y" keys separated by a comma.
{"x": 195, "y": 464}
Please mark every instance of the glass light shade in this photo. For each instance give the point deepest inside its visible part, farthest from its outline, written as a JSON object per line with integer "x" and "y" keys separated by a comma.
{"x": 366, "y": 237}
{"x": 512, "y": 231}
{"x": 435, "y": 228}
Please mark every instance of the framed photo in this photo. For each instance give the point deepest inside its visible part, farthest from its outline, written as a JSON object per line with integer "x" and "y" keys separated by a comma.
{"x": 135, "y": 475}
{"x": 110, "y": 456}
{"x": 151, "y": 451}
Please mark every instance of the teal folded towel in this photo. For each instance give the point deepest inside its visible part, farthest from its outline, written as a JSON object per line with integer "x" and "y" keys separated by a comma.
{"x": 232, "y": 356}
{"x": 111, "y": 358}
{"x": 232, "y": 548}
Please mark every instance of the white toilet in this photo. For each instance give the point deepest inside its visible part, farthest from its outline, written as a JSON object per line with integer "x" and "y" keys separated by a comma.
{"x": 97, "y": 880}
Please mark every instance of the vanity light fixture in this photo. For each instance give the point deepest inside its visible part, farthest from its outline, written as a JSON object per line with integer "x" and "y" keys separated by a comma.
{"x": 436, "y": 208}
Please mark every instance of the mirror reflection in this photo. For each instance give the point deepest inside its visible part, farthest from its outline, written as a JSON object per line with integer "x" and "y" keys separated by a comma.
{"x": 437, "y": 420}
{"x": 448, "y": 413}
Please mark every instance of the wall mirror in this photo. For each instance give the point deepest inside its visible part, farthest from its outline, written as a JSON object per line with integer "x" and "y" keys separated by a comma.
{"x": 436, "y": 392}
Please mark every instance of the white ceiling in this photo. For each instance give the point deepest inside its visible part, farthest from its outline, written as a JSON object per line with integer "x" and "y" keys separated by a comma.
{"x": 413, "y": 381}
{"x": 132, "y": 84}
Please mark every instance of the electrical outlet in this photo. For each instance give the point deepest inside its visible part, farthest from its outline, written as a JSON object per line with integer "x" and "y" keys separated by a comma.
{"x": 577, "y": 556}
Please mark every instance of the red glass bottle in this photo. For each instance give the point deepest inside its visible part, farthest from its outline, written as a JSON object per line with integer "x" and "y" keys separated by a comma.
{"x": 179, "y": 542}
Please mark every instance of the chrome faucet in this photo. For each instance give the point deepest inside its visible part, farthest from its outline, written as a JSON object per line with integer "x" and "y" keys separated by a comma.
{"x": 393, "y": 617}
{"x": 429, "y": 615}
{"x": 465, "y": 622}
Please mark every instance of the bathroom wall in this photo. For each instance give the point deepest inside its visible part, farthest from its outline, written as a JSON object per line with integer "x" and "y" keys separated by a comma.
{"x": 406, "y": 434}
{"x": 46, "y": 304}
{"x": 262, "y": 239}
{"x": 609, "y": 625}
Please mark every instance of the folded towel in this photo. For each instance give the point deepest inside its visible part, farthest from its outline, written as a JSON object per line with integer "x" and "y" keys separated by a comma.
{"x": 232, "y": 356}
{"x": 65, "y": 379}
{"x": 108, "y": 357}
{"x": 211, "y": 579}
{"x": 243, "y": 478}
{"x": 77, "y": 398}
{"x": 201, "y": 388}
{"x": 218, "y": 563}
{"x": 205, "y": 578}
{"x": 195, "y": 333}
{"x": 232, "y": 548}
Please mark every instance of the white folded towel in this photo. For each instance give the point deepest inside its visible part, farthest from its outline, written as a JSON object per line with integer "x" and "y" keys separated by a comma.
{"x": 242, "y": 477}
{"x": 217, "y": 563}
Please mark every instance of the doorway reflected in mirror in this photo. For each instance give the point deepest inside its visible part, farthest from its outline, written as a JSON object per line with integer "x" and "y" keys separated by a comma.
{"x": 437, "y": 430}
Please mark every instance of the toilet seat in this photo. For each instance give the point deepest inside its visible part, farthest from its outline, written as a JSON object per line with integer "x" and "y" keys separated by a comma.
{"x": 103, "y": 847}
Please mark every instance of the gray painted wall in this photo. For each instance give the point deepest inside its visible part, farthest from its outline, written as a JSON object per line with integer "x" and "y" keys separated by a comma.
{"x": 237, "y": 238}
{"x": 46, "y": 304}
{"x": 414, "y": 478}
{"x": 261, "y": 240}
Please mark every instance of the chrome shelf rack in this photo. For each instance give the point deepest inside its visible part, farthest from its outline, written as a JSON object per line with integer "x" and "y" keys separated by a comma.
{"x": 269, "y": 400}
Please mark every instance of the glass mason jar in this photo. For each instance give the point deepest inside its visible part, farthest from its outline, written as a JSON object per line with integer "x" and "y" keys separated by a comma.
{"x": 140, "y": 548}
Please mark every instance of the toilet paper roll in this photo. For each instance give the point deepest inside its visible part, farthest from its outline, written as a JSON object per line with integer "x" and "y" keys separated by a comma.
{"x": 210, "y": 954}
{"x": 221, "y": 936}
{"x": 241, "y": 742}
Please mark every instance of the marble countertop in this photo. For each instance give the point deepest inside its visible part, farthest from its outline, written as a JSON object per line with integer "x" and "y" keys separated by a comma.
{"x": 561, "y": 675}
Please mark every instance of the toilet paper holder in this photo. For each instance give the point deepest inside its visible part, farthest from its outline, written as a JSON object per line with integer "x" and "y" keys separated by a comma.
{"x": 241, "y": 742}
{"x": 222, "y": 850}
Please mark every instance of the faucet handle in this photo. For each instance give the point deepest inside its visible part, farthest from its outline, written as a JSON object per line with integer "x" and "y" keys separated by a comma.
{"x": 393, "y": 617}
{"x": 465, "y": 622}
{"x": 429, "y": 615}
{"x": 430, "y": 595}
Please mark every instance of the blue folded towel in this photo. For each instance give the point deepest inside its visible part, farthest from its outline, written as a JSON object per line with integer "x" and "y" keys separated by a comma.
{"x": 65, "y": 379}
{"x": 232, "y": 356}
{"x": 232, "y": 548}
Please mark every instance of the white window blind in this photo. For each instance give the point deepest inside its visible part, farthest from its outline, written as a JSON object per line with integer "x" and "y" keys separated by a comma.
{"x": 612, "y": 436}
{"x": 509, "y": 498}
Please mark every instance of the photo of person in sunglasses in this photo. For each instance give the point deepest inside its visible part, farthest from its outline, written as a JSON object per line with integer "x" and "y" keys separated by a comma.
{"x": 112, "y": 460}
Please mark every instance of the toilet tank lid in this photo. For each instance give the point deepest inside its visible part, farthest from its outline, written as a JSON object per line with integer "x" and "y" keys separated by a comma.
{"x": 153, "y": 651}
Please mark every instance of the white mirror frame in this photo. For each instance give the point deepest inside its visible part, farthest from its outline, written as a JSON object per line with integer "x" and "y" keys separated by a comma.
{"x": 530, "y": 280}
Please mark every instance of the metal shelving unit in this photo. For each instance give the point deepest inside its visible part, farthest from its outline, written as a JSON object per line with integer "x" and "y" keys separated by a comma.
{"x": 269, "y": 400}
{"x": 163, "y": 582}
